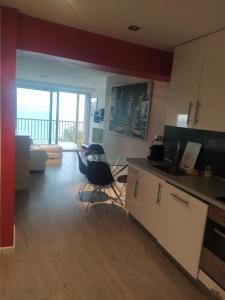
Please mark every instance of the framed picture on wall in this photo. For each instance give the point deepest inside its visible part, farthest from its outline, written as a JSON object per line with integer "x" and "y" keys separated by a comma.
{"x": 130, "y": 109}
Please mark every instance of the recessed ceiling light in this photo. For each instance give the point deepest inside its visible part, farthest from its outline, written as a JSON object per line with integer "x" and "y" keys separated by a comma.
{"x": 133, "y": 28}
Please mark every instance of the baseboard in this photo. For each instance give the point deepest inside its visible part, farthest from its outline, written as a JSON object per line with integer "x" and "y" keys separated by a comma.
{"x": 10, "y": 249}
{"x": 216, "y": 291}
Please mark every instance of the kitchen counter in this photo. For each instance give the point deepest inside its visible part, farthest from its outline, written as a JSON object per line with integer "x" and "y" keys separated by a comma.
{"x": 207, "y": 189}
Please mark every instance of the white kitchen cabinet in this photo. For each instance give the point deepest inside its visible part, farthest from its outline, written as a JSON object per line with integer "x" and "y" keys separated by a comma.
{"x": 132, "y": 202}
{"x": 212, "y": 85}
{"x": 175, "y": 218}
{"x": 150, "y": 190}
{"x": 182, "y": 224}
{"x": 143, "y": 196}
{"x": 184, "y": 85}
{"x": 196, "y": 96}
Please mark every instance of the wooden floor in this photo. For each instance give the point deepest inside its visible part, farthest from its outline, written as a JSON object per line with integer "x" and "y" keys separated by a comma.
{"x": 63, "y": 252}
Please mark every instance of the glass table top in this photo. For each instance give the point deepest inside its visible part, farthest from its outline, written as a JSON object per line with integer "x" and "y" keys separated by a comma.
{"x": 111, "y": 160}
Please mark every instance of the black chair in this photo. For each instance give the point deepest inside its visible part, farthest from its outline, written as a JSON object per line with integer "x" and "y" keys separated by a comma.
{"x": 100, "y": 175}
{"x": 83, "y": 171}
{"x": 95, "y": 149}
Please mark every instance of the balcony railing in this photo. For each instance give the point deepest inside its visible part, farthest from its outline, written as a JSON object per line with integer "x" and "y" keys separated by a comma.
{"x": 52, "y": 132}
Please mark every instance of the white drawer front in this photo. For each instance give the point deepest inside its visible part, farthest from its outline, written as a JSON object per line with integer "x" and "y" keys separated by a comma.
{"x": 183, "y": 219}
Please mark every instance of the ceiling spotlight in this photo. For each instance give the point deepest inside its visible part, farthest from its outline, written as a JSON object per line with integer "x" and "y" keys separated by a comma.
{"x": 133, "y": 28}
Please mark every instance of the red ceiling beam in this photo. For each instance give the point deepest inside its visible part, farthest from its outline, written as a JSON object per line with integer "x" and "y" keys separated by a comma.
{"x": 103, "y": 52}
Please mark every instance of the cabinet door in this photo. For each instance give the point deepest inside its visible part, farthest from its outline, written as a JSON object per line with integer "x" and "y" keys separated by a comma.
{"x": 150, "y": 193}
{"x": 131, "y": 202}
{"x": 182, "y": 219}
{"x": 212, "y": 85}
{"x": 143, "y": 197}
{"x": 134, "y": 194}
{"x": 184, "y": 85}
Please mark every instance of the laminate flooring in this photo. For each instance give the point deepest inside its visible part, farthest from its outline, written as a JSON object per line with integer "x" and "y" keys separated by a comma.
{"x": 65, "y": 253}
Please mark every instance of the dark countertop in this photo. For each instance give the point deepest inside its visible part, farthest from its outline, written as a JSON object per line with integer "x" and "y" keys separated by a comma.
{"x": 207, "y": 189}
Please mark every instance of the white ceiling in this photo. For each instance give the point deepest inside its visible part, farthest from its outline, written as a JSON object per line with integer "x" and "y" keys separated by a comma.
{"x": 51, "y": 70}
{"x": 164, "y": 23}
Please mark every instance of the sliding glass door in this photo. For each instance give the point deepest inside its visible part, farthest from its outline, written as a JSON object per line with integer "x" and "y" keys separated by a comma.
{"x": 33, "y": 113}
{"x": 81, "y": 124}
{"x": 53, "y": 117}
{"x": 67, "y": 135}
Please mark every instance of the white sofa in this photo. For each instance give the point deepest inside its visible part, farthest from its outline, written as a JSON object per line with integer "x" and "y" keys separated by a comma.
{"x": 53, "y": 151}
{"x": 38, "y": 158}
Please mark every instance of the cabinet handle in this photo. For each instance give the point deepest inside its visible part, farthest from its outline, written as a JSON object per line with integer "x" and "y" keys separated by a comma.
{"x": 216, "y": 294}
{"x": 189, "y": 112}
{"x": 220, "y": 233}
{"x": 159, "y": 194}
{"x": 197, "y": 113}
{"x": 135, "y": 188}
{"x": 179, "y": 199}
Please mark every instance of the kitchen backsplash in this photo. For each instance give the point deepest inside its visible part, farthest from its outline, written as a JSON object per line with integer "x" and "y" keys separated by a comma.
{"x": 213, "y": 146}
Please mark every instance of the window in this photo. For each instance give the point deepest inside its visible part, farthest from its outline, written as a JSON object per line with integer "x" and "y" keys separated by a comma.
{"x": 52, "y": 117}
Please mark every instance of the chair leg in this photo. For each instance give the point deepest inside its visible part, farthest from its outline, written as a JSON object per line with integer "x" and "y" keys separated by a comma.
{"x": 98, "y": 189}
{"x": 116, "y": 187}
{"x": 81, "y": 185}
{"x": 90, "y": 200}
{"x": 122, "y": 189}
{"x": 82, "y": 188}
{"x": 88, "y": 206}
{"x": 118, "y": 197}
{"x": 112, "y": 200}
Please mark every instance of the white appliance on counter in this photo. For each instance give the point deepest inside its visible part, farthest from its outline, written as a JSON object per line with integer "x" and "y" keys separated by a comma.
{"x": 190, "y": 156}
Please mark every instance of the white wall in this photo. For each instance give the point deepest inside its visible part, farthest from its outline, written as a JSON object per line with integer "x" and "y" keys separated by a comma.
{"x": 100, "y": 92}
{"x": 49, "y": 71}
{"x": 158, "y": 109}
{"x": 115, "y": 144}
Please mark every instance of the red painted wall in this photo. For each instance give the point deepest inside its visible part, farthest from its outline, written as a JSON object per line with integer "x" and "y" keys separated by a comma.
{"x": 106, "y": 53}
{"x": 8, "y": 106}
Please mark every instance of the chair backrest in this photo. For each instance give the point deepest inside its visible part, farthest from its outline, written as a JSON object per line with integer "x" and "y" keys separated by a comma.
{"x": 82, "y": 166}
{"x": 99, "y": 173}
{"x": 95, "y": 149}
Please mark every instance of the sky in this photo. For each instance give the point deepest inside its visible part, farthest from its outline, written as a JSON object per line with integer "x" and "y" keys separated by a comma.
{"x": 34, "y": 104}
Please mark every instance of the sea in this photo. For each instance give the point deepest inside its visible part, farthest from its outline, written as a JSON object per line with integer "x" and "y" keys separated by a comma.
{"x": 29, "y": 114}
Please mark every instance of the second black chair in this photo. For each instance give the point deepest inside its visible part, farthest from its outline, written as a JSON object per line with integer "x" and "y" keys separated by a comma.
{"x": 99, "y": 175}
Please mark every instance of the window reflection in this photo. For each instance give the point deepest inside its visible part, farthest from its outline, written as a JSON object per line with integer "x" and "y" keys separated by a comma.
{"x": 182, "y": 120}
